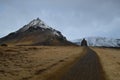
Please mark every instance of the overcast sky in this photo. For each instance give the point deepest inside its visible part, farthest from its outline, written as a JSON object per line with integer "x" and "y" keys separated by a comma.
{"x": 74, "y": 18}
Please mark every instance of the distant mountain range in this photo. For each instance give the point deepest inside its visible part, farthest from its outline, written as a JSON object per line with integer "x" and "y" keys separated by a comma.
{"x": 35, "y": 33}
{"x": 99, "y": 41}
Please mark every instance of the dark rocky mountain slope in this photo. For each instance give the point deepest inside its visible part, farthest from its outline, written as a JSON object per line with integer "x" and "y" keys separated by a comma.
{"x": 35, "y": 33}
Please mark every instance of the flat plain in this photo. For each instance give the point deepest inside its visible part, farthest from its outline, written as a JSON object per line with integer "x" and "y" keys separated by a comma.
{"x": 36, "y": 62}
{"x": 110, "y": 59}
{"x": 54, "y": 62}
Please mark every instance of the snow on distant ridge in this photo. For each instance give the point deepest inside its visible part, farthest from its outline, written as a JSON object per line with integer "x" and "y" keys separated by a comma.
{"x": 100, "y": 41}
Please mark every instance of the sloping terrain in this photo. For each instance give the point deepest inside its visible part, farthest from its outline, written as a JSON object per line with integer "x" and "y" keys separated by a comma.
{"x": 35, "y": 33}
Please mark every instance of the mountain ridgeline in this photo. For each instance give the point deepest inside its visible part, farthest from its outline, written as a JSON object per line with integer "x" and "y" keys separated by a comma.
{"x": 35, "y": 33}
{"x": 99, "y": 42}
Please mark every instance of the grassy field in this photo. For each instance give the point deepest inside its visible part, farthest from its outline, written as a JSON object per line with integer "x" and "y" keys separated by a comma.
{"x": 51, "y": 62}
{"x": 36, "y": 62}
{"x": 110, "y": 59}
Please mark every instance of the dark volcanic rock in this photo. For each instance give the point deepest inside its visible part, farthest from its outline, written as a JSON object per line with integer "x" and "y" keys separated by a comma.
{"x": 84, "y": 42}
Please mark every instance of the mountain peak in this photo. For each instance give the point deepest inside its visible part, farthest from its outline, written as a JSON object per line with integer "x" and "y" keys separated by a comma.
{"x": 35, "y": 32}
{"x": 35, "y": 23}
{"x": 38, "y": 18}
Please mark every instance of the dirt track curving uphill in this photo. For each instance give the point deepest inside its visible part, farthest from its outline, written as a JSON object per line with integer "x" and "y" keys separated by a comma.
{"x": 87, "y": 68}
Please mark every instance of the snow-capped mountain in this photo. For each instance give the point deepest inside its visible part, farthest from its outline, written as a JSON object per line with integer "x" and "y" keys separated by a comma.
{"x": 36, "y": 23}
{"x": 100, "y": 41}
{"x": 35, "y": 33}
{"x": 39, "y": 24}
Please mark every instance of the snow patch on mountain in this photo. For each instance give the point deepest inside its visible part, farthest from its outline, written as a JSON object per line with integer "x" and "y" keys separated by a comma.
{"x": 56, "y": 33}
{"x": 35, "y": 23}
{"x": 38, "y": 23}
{"x": 100, "y": 41}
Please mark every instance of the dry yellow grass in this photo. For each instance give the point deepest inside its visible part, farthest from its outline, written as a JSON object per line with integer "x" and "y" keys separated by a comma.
{"x": 36, "y": 62}
{"x": 110, "y": 59}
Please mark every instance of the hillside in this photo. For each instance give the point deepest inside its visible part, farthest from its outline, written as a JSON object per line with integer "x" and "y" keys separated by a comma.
{"x": 35, "y": 33}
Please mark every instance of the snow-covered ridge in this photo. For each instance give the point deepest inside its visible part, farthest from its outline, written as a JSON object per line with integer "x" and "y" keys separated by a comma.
{"x": 38, "y": 23}
{"x": 100, "y": 41}
{"x": 35, "y": 23}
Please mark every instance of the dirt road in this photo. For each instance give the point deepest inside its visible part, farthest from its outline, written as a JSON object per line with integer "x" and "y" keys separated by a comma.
{"x": 87, "y": 68}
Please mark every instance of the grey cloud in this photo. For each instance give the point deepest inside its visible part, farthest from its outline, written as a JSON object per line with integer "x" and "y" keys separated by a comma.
{"x": 74, "y": 18}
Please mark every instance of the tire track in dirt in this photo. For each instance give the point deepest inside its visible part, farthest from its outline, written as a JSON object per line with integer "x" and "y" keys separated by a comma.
{"x": 88, "y": 67}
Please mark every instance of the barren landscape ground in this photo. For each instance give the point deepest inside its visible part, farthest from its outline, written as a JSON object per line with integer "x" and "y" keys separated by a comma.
{"x": 55, "y": 62}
